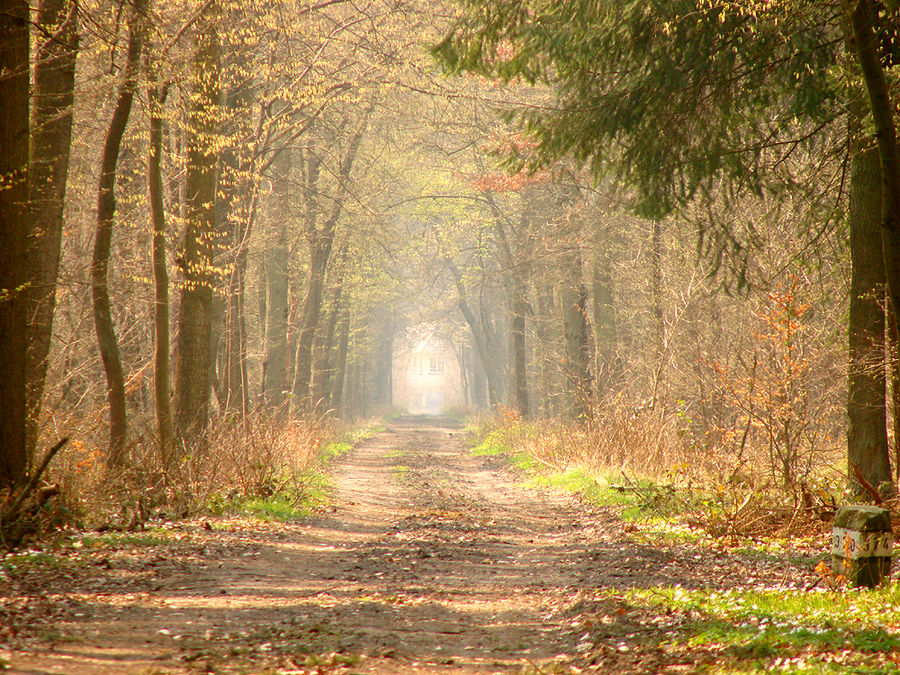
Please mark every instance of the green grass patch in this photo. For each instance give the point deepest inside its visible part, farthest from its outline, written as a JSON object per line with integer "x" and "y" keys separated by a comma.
{"x": 294, "y": 500}
{"x": 787, "y": 631}
{"x": 31, "y": 560}
{"x": 856, "y": 609}
{"x": 487, "y": 447}
{"x": 118, "y": 540}
{"x": 783, "y": 631}
{"x": 336, "y": 449}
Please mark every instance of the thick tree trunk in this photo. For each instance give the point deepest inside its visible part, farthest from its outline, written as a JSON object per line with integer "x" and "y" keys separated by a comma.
{"x": 863, "y": 15}
{"x": 51, "y": 124}
{"x": 161, "y": 368}
{"x": 106, "y": 211}
{"x": 14, "y": 233}
{"x": 194, "y": 361}
{"x": 867, "y": 446}
{"x": 874, "y": 465}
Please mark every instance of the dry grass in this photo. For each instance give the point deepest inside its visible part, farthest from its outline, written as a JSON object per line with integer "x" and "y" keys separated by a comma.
{"x": 654, "y": 454}
{"x": 256, "y": 457}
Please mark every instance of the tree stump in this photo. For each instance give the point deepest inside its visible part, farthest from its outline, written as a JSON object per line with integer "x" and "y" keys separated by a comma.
{"x": 861, "y": 544}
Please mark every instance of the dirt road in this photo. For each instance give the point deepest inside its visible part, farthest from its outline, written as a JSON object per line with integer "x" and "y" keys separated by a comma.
{"x": 430, "y": 560}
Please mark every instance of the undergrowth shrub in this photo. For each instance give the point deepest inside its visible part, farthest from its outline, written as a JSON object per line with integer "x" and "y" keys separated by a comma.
{"x": 262, "y": 456}
{"x": 653, "y": 456}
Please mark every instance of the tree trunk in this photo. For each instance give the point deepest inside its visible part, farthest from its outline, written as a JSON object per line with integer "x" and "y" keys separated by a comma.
{"x": 324, "y": 368}
{"x": 519, "y": 361}
{"x": 14, "y": 233}
{"x": 321, "y": 242}
{"x": 864, "y": 444}
{"x": 867, "y": 446}
{"x": 340, "y": 370}
{"x": 194, "y": 361}
{"x": 577, "y": 342}
{"x": 863, "y": 15}
{"x": 482, "y": 337}
{"x": 605, "y": 330}
{"x": 51, "y": 124}
{"x": 659, "y": 324}
{"x": 161, "y": 381}
{"x": 106, "y": 212}
{"x": 276, "y": 359}
{"x": 311, "y": 310}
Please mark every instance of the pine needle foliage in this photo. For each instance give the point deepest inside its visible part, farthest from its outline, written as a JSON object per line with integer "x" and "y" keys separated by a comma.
{"x": 675, "y": 98}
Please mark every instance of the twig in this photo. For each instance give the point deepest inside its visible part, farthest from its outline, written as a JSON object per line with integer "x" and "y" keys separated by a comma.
{"x": 32, "y": 484}
{"x": 866, "y": 485}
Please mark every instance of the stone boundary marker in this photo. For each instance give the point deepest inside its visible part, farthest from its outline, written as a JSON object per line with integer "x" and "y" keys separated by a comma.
{"x": 861, "y": 544}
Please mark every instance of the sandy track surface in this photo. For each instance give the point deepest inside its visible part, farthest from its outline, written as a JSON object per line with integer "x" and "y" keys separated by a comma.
{"x": 430, "y": 560}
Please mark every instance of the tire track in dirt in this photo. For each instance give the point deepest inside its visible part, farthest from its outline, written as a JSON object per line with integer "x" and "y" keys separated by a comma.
{"x": 430, "y": 560}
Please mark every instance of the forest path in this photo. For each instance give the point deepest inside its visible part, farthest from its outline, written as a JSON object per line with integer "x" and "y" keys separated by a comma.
{"x": 431, "y": 560}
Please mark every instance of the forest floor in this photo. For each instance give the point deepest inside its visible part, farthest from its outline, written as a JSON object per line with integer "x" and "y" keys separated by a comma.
{"x": 427, "y": 560}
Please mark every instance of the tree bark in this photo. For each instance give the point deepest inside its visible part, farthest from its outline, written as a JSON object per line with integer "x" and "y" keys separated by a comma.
{"x": 577, "y": 339}
{"x": 605, "y": 330}
{"x": 106, "y": 212}
{"x": 236, "y": 210}
{"x": 321, "y": 242}
{"x": 15, "y": 229}
{"x": 194, "y": 365}
{"x": 481, "y": 336}
{"x": 51, "y": 124}
{"x": 862, "y": 18}
{"x": 340, "y": 370}
{"x": 324, "y": 368}
{"x": 519, "y": 361}
{"x": 161, "y": 366}
{"x": 867, "y": 446}
{"x": 275, "y": 363}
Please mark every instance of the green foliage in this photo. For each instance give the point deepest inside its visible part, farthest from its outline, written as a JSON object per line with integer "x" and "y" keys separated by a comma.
{"x": 675, "y": 98}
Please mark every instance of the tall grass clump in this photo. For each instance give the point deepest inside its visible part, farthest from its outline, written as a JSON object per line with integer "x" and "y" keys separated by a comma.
{"x": 262, "y": 456}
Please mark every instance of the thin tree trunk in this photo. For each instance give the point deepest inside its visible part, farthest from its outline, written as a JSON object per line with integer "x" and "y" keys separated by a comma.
{"x": 340, "y": 370}
{"x": 106, "y": 211}
{"x": 577, "y": 340}
{"x": 605, "y": 329}
{"x": 54, "y": 88}
{"x": 324, "y": 370}
{"x": 519, "y": 361}
{"x": 194, "y": 363}
{"x": 276, "y": 359}
{"x": 14, "y": 233}
{"x": 321, "y": 242}
{"x": 161, "y": 381}
{"x": 481, "y": 336}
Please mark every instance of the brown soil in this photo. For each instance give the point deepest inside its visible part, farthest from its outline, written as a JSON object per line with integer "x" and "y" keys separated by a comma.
{"x": 430, "y": 560}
